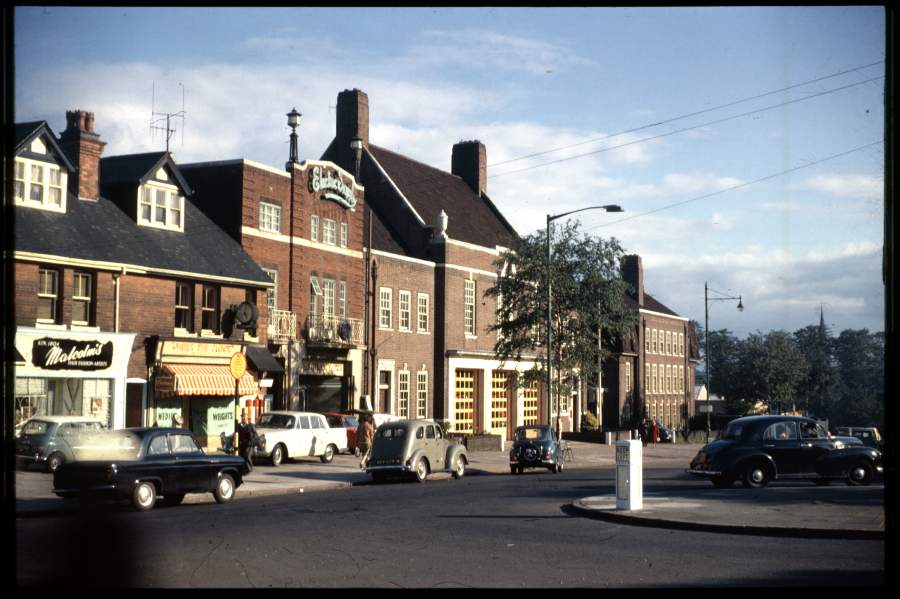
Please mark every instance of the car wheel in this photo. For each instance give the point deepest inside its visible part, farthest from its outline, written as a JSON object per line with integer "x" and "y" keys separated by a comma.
{"x": 144, "y": 496}
{"x": 328, "y": 455}
{"x": 224, "y": 489}
{"x": 459, "y": 467}
{"x": 173, "y": 498}
{"x": 721, "y": 482}
{"x": 756, "y": 476}
{"x": 54, "y": 462}
{"x": 560, "y": 466}
{"x": 421, "y": 470}
{"x": 277, "y": 455}
{"x": 859, "y": 474}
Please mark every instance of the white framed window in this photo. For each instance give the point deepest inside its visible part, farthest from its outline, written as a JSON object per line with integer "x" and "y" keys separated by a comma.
{"x": 469, "y": 311}
{"x": 272, "y": 293}
{"x": 668, "y": 378}
{"x": 385, "y": 302}
{"x": 627, "y": 377}
{"x": 315, "y": 292}
{"x": 269, "y": 217}
{"x": 403, "y": 393}
{"x": 422, "y": 312}
{"x": 48, "y": 295}
{"x": 647, "y": 340}
{"x": 655, "y": 346}
{"x": 404, "y": 309}
{"x": 421, "y": 393}
{"x": 647, "y": 390}
{"x": 329, "y": 228}
{"x": 314, "y": 228}
{"x": 328, "y": 298}
{"x": 655, "y": 372}
{"x": 668, "y": 343}
{"x": 184, "y": 306}
{"x": 39, "y": 185}
{"x": 82, "y": 298}
{"x": 160, "y": 206}
{"x": 209, "y": 309}
{"x": 681, "y": 344}
{"x": 345, "y": 235}
{"x": 342, "y": 299}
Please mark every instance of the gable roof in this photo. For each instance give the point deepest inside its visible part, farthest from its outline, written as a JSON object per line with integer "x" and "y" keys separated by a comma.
{"x": 471, "y": 217}
{"x": 650, "y": 303}
{"x": 136, "y": 169}
{"x": 26, "y": 132}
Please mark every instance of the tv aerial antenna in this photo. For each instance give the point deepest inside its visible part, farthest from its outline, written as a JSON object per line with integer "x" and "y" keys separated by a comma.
{"x": 158, "y": 118}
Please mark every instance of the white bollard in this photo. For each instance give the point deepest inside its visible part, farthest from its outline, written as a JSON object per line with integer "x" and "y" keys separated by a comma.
{"x": 629, "y": 475}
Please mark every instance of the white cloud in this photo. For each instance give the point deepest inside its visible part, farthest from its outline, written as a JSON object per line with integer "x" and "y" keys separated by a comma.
{"x": 848, "y": 186}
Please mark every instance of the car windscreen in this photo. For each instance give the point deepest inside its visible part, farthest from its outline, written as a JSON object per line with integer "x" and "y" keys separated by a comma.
{"x": 276, "y": 421}
{"x": 36, "y": 427}
{"x": 732, "y": 431}
{"x": 392, "y": 432}
{"x": 104, "y": 445}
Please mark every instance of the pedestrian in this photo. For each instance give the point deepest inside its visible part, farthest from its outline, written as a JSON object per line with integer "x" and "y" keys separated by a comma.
{"x": 247, "y": 438}
{"x": 177, "y": 421}
{"x": 654, "y": 432}
{"x": 365, "y": 435}
{"x": 643, "y": 432}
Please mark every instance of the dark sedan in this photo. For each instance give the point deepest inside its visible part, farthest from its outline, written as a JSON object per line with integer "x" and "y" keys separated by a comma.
{"x": 536, "y": 447}
{"x": 143, "y": 464}
{"x": 759, "y": 449}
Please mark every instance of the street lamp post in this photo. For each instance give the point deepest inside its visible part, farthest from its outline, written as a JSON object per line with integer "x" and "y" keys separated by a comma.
{"x": 293, "y": 122}
{"x": 706, "y": 300}
{"x": 550, "y": 219}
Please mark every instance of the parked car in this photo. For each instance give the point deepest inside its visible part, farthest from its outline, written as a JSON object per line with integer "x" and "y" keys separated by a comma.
{"x": 48, "y": 440}
{"x": 846, "y": 441}
{"x": 347, "y": 421}
{"x": 536, "y": 447}
{"x": 759, "y": 449}
{"x": 146, "y": 464}
{"x": 869, "y": 435}
{"x": 299, "y": 434}
{"x": 665, "y": 433}
{"x": 379, "y": 418}
{"x": 420, "y": 447}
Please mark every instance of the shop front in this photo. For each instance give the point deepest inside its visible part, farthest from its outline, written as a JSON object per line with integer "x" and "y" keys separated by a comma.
{"x": 71, "y": 373}
{"x": 327, "y": 386}
{"x": 193, "y": 383}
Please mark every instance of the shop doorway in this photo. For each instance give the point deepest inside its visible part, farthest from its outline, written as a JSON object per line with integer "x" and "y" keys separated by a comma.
{"x": 134, "y": 405}
{"x": 384, "y": 391}
{"x": 324, "y": 393}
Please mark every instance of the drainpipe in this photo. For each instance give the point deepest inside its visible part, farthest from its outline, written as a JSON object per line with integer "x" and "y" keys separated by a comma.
{"x": 116, "y": 277}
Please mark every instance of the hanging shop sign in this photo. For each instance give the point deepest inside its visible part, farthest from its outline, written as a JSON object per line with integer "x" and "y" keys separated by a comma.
{"x": 71, "y": 354}
{"x": 332, "y": 186}
{"x": 320, "y": 368}
{"x": 196, "y": 352}
{"x": 238, "y": 365}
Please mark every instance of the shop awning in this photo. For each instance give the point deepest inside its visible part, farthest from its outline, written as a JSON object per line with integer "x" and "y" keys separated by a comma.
{"x": 260, "y": 358}
{"x": 196, "y": 379}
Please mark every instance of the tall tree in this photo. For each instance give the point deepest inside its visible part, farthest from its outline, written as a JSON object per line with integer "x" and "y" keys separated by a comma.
{"x": 860, "y": 358}
{"x": 819, "y": 392}
{"x": 588, "y": 298}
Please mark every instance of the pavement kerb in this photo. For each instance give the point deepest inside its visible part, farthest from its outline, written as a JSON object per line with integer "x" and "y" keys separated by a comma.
{"x": 624, "y": 517}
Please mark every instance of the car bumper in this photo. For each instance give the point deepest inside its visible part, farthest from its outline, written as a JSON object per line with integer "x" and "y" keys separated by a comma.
{"x": 703, "y": 472}
{"x": 532, "y": 463}
{"x": 389, "y": 467}
{"x": 29, "y": 459}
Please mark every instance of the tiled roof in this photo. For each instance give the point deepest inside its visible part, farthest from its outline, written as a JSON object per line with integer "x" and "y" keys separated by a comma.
{"x": 471, "y": 217}
{"x": 650, "y": 303}
{"x": 131, "y": 169}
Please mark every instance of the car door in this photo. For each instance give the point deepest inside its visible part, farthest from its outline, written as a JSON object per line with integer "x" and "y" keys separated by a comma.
{"x": 814, "y": 444}
{"x": 159, "y": 462}
{"x": 319, "y": 430}
{"x": 192, "y": 468}
{"x": 304, "y": 437}
{"x": 435, "y": 448}
{"x": 781, "y": 441}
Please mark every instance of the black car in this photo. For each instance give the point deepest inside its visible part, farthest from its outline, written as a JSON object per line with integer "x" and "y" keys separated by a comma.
{"x": 536, "y": 447}
{"x": 759, "y": 449}
{"x": 143, "y": 464}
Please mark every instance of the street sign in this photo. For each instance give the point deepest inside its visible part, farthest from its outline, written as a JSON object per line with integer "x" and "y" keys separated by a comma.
{"x": 705, "y": 408}
{"x": 238, "y": 365}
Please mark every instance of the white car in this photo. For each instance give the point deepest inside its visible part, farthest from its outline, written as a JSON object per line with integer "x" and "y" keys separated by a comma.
{"x": 299, "y": 434}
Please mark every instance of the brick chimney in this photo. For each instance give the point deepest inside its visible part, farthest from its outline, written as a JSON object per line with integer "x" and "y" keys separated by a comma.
{"x": 633, "y": 273}
{"x": 83, "y": 147}
{"x": 353, "y": 115}
{"x": 469, "y": 162}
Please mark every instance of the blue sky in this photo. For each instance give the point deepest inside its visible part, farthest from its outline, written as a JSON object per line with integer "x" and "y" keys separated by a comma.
{"x": 529, "y": 80}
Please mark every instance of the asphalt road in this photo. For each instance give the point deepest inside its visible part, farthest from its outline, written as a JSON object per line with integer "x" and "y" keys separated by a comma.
{"x": 488, "y": 531}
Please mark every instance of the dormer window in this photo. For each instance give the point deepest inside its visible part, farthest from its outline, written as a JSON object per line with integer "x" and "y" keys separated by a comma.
{"x": 39, "y": 185}
{"x": 161, "y": 206}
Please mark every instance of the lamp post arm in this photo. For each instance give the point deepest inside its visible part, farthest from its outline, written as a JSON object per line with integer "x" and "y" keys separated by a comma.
{"x": 607, "y": 207}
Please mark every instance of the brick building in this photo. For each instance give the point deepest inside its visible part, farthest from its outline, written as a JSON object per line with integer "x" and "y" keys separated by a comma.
{"x": 651, "y": 373}
{"x": 435, "y": 241}
{"x": 123, "y": 288}
{"x": 310, "y": 245}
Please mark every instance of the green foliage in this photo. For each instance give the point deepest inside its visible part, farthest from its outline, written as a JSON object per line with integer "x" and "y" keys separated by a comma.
{"x": 588, "y": 297}
{"x": 589, "y": 422}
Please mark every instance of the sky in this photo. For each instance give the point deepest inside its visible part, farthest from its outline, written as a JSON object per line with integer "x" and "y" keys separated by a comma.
{"x": 744, "y": 144}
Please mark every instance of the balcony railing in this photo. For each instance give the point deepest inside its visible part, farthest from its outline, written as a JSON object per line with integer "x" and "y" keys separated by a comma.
{"x": 333, "y": 329}
{"x": 282, "y": 326}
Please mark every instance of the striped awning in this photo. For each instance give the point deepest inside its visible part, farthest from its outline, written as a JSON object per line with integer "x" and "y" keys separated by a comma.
{"x": 196, "y": 379}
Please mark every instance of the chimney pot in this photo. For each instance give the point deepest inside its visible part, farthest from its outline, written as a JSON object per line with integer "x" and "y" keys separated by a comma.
{"x": 633, "y": 273}
{"x": 469, "y": 162}
{"x": 83, "y": 147}
{"x": 353, "y": 115}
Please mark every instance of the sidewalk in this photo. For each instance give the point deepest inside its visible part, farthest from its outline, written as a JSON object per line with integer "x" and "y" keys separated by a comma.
{"x": 826, "y": 512}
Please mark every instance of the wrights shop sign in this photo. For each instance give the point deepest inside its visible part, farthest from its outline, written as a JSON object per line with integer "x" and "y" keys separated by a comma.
{"x": 69, "y": 354}
{"x": 333, "y": 187}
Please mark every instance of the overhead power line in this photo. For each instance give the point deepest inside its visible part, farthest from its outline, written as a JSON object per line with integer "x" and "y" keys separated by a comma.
{"x": 739, "y": 186}
{"x": 688, "y": 115}
{"x": 685, "y": 129}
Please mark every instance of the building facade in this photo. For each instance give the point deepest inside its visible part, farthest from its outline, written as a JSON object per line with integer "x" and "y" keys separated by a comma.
{"x": 110, "y": 257}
